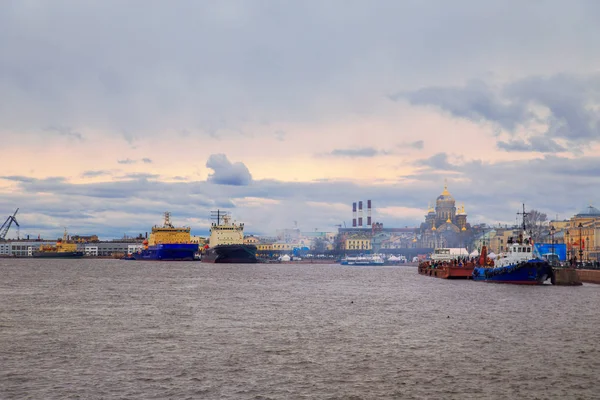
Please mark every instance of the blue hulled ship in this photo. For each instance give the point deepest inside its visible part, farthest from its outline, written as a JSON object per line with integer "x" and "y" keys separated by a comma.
{"x": 519, "y": 265}
{"x": 167, "y": 243}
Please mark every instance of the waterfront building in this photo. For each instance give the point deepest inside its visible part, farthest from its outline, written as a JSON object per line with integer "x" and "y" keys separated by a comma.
{"x": 358, "y": 241}
{"x": 251, "y": 239}
{"x": 581, "y": 234}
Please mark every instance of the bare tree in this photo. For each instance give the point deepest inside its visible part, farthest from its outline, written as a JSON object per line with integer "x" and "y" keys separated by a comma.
{"x": 535, "y": 222}
{"x": 319, "y": 245}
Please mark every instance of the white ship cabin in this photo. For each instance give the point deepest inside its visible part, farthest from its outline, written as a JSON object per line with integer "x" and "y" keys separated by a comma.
{"x": 226, "y": 233}
{"x": 448, "y": 254}
{"x": 519, "y": 250}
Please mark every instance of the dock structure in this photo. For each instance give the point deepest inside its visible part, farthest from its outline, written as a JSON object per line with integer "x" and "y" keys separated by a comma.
{"x": 589, "y": 275}
{"x": 566, "y": 277}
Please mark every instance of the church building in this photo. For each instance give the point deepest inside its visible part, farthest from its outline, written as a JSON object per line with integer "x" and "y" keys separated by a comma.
{"x": 444, "y": 225}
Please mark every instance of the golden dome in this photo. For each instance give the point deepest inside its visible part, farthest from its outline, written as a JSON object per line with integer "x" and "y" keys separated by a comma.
{"x": 433, "y": 228}
{"x": 430, "y": 209}
{"x": 448, "y": 221}
{"x": 445, "y": 196}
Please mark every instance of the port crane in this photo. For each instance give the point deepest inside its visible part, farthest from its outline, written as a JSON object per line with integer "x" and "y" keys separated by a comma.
{"x": 6, "y": 225}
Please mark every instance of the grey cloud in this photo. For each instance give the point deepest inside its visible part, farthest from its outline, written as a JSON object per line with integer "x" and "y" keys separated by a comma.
{"x": 419, "y": 144}
{"x": 438, "y": 161}
{"x": 360, "y": 152}
{"x": 535, "y": 144}
{"x": 64, "y": 131}
{"x": 93, "y": 174}
{"x": 476, "y": 101}
{"x": 18, "y": 178}
{"x": 146, "y": 160}
{"x": 492, "y": 192}
{"x": 571, "y": 102}
{"x": 127, "y": 161}
{"x": 248, "y": 71}
{"x": 226, "y": 172}
{"x": 141, "y": 175}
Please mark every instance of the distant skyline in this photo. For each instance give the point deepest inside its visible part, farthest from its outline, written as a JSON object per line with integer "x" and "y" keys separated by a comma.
{"x": 113, "y": 112}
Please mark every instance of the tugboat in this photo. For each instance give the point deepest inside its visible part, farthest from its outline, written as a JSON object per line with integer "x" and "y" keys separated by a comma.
{"x": 519, "y": 265}
{"x": 226, "y": 243}
{"x": 63, "y": 249}
{"x": 167, "y": 243}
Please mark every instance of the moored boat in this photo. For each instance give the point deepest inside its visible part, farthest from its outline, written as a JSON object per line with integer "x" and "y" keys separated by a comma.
{"x": 62, "y": 249}
{"x": 519, "y": 265}
{"x": 226, "y": 244}
{"x": 167, "y": 243}
{"x": 363, "y": 260}
{"x": 447, "y": 265}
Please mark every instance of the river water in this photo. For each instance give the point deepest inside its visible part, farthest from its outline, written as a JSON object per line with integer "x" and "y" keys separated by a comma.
{"x": 110, "y": 329}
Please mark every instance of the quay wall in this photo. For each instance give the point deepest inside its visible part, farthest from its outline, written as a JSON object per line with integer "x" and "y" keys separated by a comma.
{"x": 589, "y": 275}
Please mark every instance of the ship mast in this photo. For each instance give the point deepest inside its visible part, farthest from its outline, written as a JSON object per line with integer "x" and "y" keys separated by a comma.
{"x": 218, "y": 215}
{"x": 167, "y": 223}
{"x": 524, "y": 214}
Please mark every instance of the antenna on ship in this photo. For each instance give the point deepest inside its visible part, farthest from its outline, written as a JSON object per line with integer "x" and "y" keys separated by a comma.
{"x": 167, "y": 223}
{"x": 217, "y": 215}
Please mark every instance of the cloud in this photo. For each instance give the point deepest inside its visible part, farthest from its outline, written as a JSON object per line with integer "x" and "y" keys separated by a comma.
{"x": 141, "y": 175}
{"x": 127, "y": 161}
{"x": 536, "y": 144}
{"x": 64, "y": 131}
{"x": 476, "y": 101}
{"x": 419, "y": 144}
{"x": 355, "y": 153}
{"x": 492, "y": 193}
{"x": 437, "y": 162}
{"x": 146, "y": 160}
{"x": 18, "y": 178}
{"x": 566, "y": 105}
{"x": 93, "y": 174}
{"x": 227, "y": 173}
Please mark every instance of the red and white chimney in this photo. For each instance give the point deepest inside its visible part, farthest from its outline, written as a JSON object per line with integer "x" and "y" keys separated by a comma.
{"x": 354, "y": 215}
{"x": 368, "y": 212}
{"x": 360, "y": 214}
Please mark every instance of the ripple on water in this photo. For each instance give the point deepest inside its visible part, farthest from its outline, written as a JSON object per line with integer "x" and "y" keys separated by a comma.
{"x": 110, "y": 329}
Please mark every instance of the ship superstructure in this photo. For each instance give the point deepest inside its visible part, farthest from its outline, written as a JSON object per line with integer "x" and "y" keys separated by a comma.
{"x": 167, "y": 233}
{"x": 226, "y": 242}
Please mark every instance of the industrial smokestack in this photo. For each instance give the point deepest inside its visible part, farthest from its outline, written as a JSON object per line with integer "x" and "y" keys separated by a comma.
{"x": 360, "y": 214}
{"x": 354, "y": 214}
{"x": 368, "y": 212}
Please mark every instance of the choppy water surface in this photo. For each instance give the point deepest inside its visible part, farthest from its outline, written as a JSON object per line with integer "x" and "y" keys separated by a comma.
{"x": 102, "y": 329}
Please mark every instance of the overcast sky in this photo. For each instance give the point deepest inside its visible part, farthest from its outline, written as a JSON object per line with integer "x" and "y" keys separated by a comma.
{"x": 113, "y": 112}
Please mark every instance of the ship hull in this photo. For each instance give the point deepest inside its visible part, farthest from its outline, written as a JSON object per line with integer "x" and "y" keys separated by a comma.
{"x": 231, "y": 254}
{"x": 58, "y": 254}
{"x": 447, "y": 272}
{"x": 167, "y": 252}
{"x": 361, "y": 263}
{"x": 532, "y": 272}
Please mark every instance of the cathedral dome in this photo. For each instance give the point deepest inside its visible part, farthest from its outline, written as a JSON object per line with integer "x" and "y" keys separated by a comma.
{"x": 589, "y": 211}
{"x": 445, "y": 197}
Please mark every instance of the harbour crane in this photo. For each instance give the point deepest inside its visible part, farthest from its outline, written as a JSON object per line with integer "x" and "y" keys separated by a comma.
{"x": 6, "y": 225}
